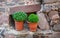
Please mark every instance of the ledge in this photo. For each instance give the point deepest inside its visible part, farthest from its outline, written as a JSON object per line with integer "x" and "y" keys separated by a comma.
{"x": 25, "y": 8}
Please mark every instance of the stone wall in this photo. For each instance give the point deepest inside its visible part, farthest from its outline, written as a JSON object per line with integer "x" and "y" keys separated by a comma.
{"x": 51, "y": 8}
{"x": 51, "y": 13}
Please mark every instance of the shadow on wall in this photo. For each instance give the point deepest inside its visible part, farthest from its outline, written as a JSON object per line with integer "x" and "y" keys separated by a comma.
{"x": 11, "y": 21}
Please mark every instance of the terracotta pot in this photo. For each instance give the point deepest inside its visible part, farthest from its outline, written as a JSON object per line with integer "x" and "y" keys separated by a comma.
{"x": 33, "y": 27}
{"x": 19, "y": 26}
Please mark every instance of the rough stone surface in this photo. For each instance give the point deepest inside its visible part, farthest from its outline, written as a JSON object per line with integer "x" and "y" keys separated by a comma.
{"x": 43, "y": 24}
{"x": 29, "y": 8}
{"x": 56, "y": 27}
{"x": 53, "y": 14}
{"x": 55, "y": 35}
{"x": 49, "y": 1}
{"x": 2, "y": 0}
{"x": 49, "y": 4}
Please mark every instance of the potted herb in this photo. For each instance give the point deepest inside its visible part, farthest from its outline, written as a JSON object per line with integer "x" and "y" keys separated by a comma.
{"x": 33, "y": 21}
{"x": 19, "y": 18}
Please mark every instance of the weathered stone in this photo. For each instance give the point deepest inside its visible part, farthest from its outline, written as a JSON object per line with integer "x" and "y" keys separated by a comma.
{"x": 47, "y": 36}
{"x": 29, "y": 8}
{"x": 59, "y": 9}
{"x": 2, "y": 0}
{"x": 55, "y": 35}
{"x": 47, "y": 7}
{"x": 37, "y": 35}
{"x": 49, "y": 1}
{"x": 55, "y": 6}
{"x": 1, "y": 22}
{"x": 53, "y": 14}
{"x": 58, "y": 0}
{"x": 43, "y": 24}
{"x": 56, "y": 27}
{"x": 4, "y": 17}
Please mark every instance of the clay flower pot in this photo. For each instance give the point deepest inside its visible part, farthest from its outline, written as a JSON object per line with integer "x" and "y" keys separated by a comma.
{"x": 19, "y": 18}
{"x": 19, "y": 26}
{"x": 32, "y": 26}
{"x": 33, "y": 22}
